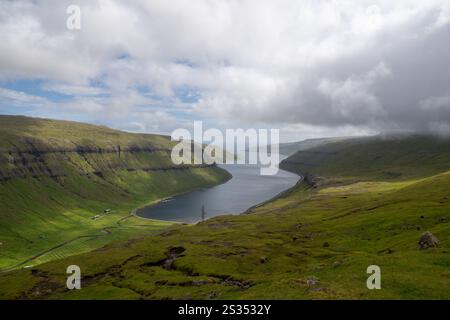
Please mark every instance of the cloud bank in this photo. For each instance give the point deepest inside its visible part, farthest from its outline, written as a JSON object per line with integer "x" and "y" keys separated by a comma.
{"x": 309, "y": 67}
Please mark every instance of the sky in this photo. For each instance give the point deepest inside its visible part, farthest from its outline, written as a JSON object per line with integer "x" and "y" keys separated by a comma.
{"x": 313, "y": 68}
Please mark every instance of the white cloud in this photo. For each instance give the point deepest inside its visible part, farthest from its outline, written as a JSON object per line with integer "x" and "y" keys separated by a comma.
{"x": 435, "y": 103}
{"x": 290, "y": 63}
{"x": 74, "y": 90}
{"x": 352, "y": 98}
{"x": 21, "y": 99}
{"x": 81, "y": 106}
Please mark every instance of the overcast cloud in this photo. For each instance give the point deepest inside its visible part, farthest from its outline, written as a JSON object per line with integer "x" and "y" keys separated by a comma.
{"x": 312, "y": 68}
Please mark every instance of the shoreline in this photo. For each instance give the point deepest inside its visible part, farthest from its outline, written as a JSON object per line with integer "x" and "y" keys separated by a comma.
{"x": 247, "y": 211}
{"x": 158, "y": 201}
{"x": 277, "y": 196}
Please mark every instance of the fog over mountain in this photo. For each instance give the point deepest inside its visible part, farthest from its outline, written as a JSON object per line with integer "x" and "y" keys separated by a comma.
{"x": 311, "y": 68}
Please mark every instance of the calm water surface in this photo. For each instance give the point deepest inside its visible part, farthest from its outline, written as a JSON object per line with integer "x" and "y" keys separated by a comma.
{"x": 246, "y": 189}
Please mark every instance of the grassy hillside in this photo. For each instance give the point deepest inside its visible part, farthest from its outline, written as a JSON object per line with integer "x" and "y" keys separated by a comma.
{"x": 380, "y": 158}
{"x": 57, "y": 178}
{"x": 290, "y": 148}
{"x": 311, "y": 243}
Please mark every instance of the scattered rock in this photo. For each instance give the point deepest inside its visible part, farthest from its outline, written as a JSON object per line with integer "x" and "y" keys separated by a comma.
{"x": 428, "y": 240}
{"x": 326, "y": 244}
{"x": 172, "y": 254}
{"x": 232, "y": 282}
{"x": 312, "y": 281}
{"x": 199, "y": 282}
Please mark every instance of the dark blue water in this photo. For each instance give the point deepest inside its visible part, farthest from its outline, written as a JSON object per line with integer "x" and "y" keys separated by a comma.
{"x": 246, "y": 189}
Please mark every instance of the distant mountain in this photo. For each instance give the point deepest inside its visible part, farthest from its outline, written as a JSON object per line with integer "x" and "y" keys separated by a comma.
{"x": 290, "y": 148}
{"x": 383, "y": 157}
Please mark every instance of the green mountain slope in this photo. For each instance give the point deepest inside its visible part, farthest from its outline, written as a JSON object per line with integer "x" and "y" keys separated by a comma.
{"x": 290, "y": 148}
{"x": 58, "y": 177}
{"x": 379, "y": 157}
{"x": 310, "y": 243}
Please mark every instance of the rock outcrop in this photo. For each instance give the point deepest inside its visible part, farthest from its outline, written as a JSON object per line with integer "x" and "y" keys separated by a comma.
{"x": 428, "y": 240}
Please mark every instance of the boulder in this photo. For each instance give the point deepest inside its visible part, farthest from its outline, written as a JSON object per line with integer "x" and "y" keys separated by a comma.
{"x": 312, "y": 281}
{"x": 428, "y": 240}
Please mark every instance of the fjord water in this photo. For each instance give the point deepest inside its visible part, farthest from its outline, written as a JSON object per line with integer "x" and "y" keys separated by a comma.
{"x": 246, "y": 189}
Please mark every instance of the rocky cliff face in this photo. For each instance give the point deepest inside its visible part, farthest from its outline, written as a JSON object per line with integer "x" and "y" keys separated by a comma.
{"x": 56, "y": 175}
{"x": 54, "y": 163}
{"x": 47, "y": 148}
{"x": 43, "y": 161}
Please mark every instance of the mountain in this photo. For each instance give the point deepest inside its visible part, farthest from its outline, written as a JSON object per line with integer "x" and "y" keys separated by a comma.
{"x": 379, "y": 157}
{"x": 290, "y": 148}
{"x": 61, "y": 180}
{"x": 315, "y": 241}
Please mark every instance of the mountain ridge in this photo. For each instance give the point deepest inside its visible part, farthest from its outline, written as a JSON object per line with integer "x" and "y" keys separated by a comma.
{"x": 55, "y": 176}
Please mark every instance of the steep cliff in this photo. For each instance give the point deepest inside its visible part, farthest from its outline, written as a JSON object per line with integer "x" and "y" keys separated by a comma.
{"x": 56, "y": 175}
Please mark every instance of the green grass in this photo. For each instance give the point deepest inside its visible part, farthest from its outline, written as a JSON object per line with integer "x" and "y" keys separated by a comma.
{"x": 22, "y": 133}
{"x": 55, "y": 176}
{"x": 374, "y": 199}
{"x": 375, "y": 158}
{"x": 355, "y": 217}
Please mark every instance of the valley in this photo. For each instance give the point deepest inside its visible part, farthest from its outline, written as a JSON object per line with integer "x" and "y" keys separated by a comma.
{"x": 58, "y": 178}
{"x": 363, "y": 202}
